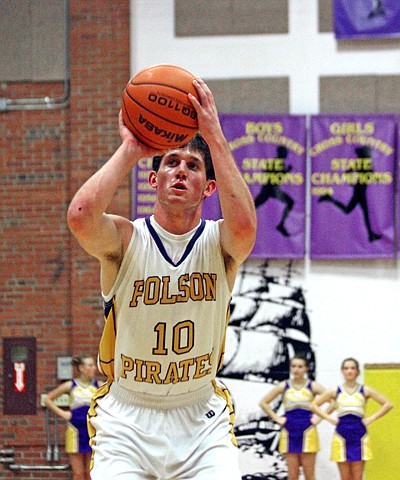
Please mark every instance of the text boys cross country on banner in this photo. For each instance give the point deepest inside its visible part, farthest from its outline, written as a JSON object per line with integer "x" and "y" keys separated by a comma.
{"x": 366, "y": 18}
{"x": 352, "y": 186}
{"x": 270, "y": 151}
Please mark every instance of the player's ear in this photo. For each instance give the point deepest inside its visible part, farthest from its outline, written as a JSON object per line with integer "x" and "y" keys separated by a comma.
{"x": 153, "y": 179}
{"x": 210, "y": 188}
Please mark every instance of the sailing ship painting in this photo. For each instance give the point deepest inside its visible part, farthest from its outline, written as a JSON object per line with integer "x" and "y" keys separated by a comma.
{"x": 269, "y": 324}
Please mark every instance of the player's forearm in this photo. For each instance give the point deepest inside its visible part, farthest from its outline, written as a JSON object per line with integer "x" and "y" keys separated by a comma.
{"x": 237, "y": 204}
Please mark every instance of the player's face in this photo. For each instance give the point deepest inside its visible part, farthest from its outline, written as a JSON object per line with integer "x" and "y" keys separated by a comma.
{"x": 350, "y": 370}
{"x": 298, "y": 368}
{"x": 181, "y": 177}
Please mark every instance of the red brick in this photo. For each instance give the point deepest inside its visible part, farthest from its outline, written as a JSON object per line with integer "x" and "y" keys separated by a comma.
{"x": 50, "y": 287}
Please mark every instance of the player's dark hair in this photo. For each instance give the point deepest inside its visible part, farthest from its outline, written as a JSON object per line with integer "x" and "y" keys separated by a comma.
{"x": 198, "y": 144}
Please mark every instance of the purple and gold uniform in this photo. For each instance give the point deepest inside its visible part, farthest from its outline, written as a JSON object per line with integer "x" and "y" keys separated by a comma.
{"x": 162, "y": 345}
{"x": 298, "y": 435}
{"x": 76, "y": 435}
{"x": 350, "y": 441}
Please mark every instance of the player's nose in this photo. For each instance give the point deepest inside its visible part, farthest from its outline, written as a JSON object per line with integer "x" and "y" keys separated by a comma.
{"x": 182, "y": 168}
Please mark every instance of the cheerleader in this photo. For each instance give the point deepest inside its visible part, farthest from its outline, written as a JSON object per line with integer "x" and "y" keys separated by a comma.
{"x": 299, "y": 440}
{"x": 80, "y": 390}
{"x": 350, "y": 444}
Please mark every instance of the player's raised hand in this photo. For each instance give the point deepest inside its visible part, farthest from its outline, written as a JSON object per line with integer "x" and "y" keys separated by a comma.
{"x": 207, "y": 113}
{"x": 128, "y": 137}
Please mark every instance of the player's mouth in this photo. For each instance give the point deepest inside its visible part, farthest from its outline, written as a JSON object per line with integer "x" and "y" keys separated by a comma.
{"x": 179, "y": 186}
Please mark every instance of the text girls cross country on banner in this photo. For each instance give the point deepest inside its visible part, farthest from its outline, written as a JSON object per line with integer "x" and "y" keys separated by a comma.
{"x": 352, "y": 186}
{"x": 270, "y": 151}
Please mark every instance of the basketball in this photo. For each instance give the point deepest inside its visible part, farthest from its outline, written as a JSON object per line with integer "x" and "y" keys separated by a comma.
{"x": 156, "y": 107}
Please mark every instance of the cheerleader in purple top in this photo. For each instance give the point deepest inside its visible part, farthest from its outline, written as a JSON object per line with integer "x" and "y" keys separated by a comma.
{"x": 299, "y": 440}
{"x": 80, "y": 390}
{"x": 350, "y": 445}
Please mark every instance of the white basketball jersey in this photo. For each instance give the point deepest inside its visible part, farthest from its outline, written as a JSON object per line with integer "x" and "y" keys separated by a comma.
{"x": 167, "y": 313}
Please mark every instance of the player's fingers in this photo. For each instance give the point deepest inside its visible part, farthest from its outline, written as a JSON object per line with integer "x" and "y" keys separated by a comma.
{"x": 202, "y": 88}
{"x": 200, "y": 92}
{"x": 194, "y": 100}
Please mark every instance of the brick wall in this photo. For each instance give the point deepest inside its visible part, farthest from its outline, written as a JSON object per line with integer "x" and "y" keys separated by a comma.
{"x": 50, "y": 286}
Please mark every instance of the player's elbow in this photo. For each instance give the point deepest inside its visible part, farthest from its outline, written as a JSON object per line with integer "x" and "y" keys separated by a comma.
{"x": 78, "y": 216}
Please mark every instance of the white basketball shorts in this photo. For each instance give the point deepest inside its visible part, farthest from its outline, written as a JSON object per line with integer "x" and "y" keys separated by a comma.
{"x": 133, "y": 442}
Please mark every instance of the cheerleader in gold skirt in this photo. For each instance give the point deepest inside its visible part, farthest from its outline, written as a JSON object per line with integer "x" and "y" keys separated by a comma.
{"x": 299, "y": 440}
{"x": 351, "y": 444}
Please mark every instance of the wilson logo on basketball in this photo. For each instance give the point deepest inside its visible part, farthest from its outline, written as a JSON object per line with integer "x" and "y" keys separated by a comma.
{"x": 161, "y": 132}
{"x": 171, "y": 104}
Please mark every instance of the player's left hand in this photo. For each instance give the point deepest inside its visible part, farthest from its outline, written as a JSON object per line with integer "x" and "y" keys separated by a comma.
{"x": 207, "y": 113}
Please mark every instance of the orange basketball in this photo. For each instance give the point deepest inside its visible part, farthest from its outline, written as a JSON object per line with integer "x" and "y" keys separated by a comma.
{"x": 156, "y": 108}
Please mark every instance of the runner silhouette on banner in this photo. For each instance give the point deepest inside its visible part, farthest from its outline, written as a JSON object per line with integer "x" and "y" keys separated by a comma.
{"x": 359, "y": 197}
{"x": 275, "y": 191}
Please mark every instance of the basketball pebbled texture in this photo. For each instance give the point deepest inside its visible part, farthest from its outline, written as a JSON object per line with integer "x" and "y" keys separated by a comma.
{"x": 156, "y": 108}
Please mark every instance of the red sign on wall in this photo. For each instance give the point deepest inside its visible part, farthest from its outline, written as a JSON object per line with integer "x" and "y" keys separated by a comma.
{"x": 19, "y": 377}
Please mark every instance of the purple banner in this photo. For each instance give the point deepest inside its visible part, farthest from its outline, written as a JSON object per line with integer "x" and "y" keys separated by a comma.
{"x": 352, "y": 186}
{"x": 143, "y": 196}
{"x": 270, "y": 151}
{"x": 397, "y": 188}
{"x": 366, "y": 18}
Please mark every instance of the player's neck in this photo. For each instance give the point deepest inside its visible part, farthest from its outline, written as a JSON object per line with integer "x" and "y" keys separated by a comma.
{"x": 177, "y": 222}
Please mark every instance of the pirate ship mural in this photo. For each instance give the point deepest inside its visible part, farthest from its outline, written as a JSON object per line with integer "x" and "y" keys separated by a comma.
{"x": 269, "y": 324}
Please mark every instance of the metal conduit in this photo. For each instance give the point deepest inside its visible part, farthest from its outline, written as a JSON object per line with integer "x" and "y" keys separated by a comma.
{"x": 7, "y": 459}
{"x": 45, "y": 103}
{"x": 19, "y": 468}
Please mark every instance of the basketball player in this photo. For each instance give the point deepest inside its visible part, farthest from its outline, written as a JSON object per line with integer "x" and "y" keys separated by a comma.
{"x": 166, "y": 282}
{"x": 350, "y": 444}
{"x": 299, "y": 440}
